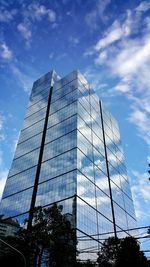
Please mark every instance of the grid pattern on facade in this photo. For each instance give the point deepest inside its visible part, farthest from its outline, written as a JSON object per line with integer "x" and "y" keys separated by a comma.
{"x": 81, "y": 165}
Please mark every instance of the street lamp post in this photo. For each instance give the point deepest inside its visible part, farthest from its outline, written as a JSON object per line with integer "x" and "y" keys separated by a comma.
{"x": 24, "y": 260}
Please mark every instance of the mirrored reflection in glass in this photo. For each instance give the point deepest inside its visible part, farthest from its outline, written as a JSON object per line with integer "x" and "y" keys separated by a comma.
{"x": 31, "y": 131}
{"x": 19, "y": 182}
{"x": 58, "y": 165}
{"x": 103, "y": 204}
{"x": 86, "y": 217}
{"x": 27, "y": 161}
{"x": 62, "y": 114}
{"x": 85, "y": 165}
{"x": 16, "y": 204}
{"x": 120, "y": 216}
{"x": 60, "y": 145}
{"x": 86, "y": 189}
{"x": 56, "y": 189}
{"x": 28, "y": 145}
{"x": 61, "y": 129}
{"x": 101, "y": 180}
{"x": 105, "y": 226}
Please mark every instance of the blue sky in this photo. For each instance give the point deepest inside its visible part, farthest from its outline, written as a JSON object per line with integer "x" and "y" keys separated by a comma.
{"x": 109, "y": 42}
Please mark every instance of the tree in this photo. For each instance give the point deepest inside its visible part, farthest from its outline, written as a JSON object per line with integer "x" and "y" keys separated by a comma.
{"x": 129, "y": 254}
{"x": 50, "y": 239}
{"x": 108, "y": 253}
{"x": 121, "y": 253}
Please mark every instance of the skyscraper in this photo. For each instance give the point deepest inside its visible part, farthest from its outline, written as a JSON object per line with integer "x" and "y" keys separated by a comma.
{"x": 69, "y": 152}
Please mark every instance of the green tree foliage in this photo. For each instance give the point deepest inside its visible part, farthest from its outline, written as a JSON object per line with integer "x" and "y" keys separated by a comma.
{"x": 50, "y": 240}
{"x": 121, "y": 253}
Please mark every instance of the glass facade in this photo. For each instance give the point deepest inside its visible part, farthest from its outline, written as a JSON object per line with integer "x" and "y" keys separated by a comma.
{"x": 69, "y": 152}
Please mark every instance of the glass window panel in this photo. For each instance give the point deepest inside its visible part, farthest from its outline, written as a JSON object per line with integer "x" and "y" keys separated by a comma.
{"x": 117, "y": 195}
{"x": 64, "y": 101}
{"x": 83, "y": 101}
{"x": 97, "y": 129}
{"x": 61, "y": 129}
{"x": 86, "y": 189}
{"x": 62, "y": 114}
{"x": 43, "y": 96}
{"x": 129, "y": 205}
{"x": 16, "y": 204}
{"x": 84, "y": 114}
{"x": 103, "y": 204}
{"x": 98, "y": 144}
{"x": 120, "y": 217}
{"x": 60, "y": 145}
{"x": 34, "y": 118}
{"x": 25, "y": 162}
{"x": 86, "y": 218}
{"x": 99, "y": 160}
{"x": 36, "y": 107}
{"x": 28, "y": 145}
{"x": 84, "y": 145}
{"x": 31, "y": 131}
{"x": 85, "y": 165}
{"x": 56, "y": 189}
{"x": 84, "y": 129}
{"x": 104, "y": 226}
{"x": 70, "y": 87}
{"x": 58, "y": 165}
{"x": 101, "y": 180}
{"x": 66, "y": 80}
{"x": 20, "y": 182}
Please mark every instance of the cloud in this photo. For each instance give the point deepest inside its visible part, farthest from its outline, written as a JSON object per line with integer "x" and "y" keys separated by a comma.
{"x": 23, "y": 79}
{"x": 2, "y": 135}
{"x": 6, "y": 15}
{"x": 140, "y": 192}
{"x": 73, "y": 40}
{"x": 5, "y": 52}
{"x": 97, "y": 14}
{"x": 25, "y": 31}
{"x": 124, "y": 52}
{"x": 1, "y": 122}
{"x": 39, "y": 11}
{"x": 114, "y": 34}
{"x": 142, "y": 122}
{"x": 143, "y": 6}
{"x": 3, "y": 177}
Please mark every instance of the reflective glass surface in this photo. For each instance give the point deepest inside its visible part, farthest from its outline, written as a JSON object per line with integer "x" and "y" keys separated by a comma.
{"x": 75, "y": 143}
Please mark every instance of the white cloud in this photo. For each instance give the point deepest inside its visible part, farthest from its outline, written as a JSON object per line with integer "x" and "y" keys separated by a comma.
{"x": 132, "y": 57}
{"x": 97, "y": 14}
{"x": 110, "y": 38}
{"x": 148, "y": 159}
{"x": 2, "y": 135}
{"x": 142, "y": 122}
{"x": 101, "y": 58}
{"x": 127, "y": 59}
{"x": 3, "y": 177}
{"x": 25, "y": 31}
{"x": 7, "y": 16}
{"x": 1, "y": 122}
{"x": 37, "y": 12}
{"x": 73, "y": 40}
{"x": 5, "y": 52}
{"x": 115, "y": 33}
{"x": 23, "y": 79}
{"x": 143, "y": 6}
{"x": 140, "y": 192}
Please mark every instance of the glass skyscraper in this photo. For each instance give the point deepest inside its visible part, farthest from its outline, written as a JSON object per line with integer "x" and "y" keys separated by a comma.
{"x": 69, "y": 152}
